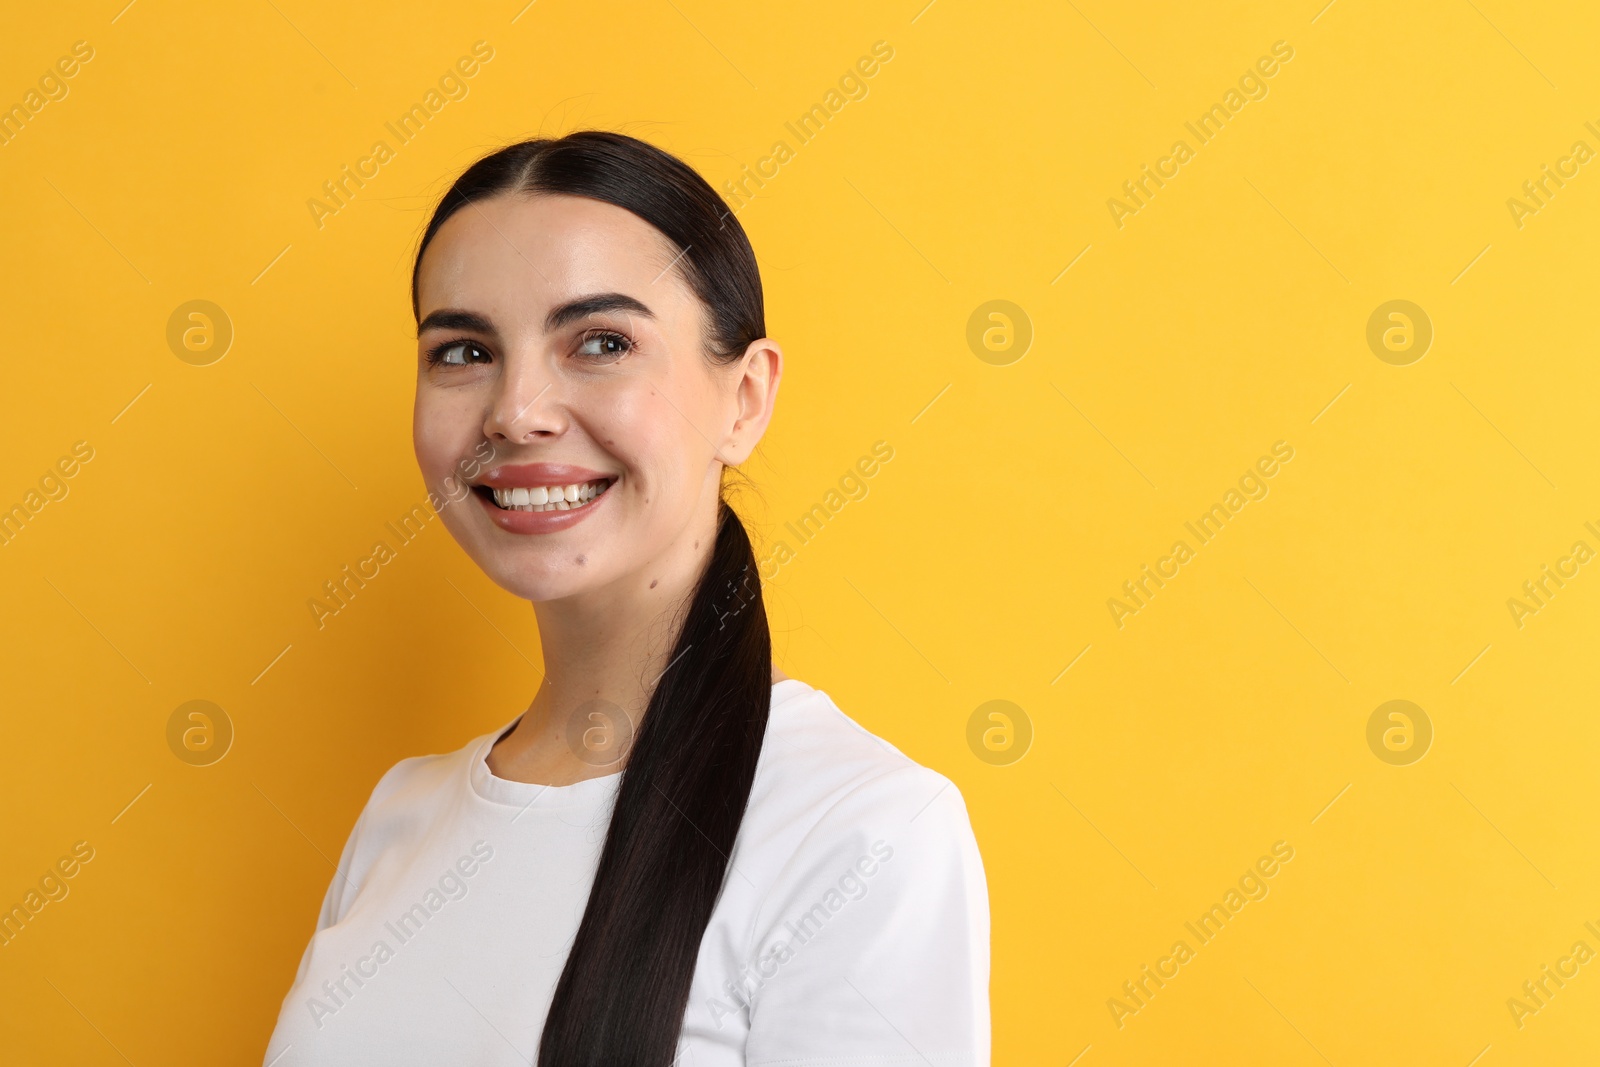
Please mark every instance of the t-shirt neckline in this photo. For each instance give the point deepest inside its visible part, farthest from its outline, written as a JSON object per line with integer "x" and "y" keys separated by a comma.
{"x": 591, "y": 791}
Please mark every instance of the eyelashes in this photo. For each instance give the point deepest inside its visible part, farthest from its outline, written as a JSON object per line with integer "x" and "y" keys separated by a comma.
{"x": 604, "y": 345}
{"x": 599, "y": 346}
{"x": 454, "y": 353}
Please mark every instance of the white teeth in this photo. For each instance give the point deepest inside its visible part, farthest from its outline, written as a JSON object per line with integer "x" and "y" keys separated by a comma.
{"x": 550, "y": 498}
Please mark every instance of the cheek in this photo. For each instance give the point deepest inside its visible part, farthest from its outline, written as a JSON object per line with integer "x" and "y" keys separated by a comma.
{"x": 656, "y": 437}
{"x": 444, "y": 427}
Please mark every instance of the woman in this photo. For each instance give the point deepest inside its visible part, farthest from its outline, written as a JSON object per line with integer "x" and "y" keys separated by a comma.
{"x": 675, "y": 852}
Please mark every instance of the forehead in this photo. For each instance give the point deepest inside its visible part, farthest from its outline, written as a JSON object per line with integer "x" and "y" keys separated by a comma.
{"x": 515, "y": 256}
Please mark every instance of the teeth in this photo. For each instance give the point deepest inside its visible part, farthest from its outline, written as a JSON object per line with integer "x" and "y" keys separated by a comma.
{"x": 550, "y": 498}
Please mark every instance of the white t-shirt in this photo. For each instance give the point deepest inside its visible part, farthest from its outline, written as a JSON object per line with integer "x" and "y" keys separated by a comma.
{"x": 852, "y": 927}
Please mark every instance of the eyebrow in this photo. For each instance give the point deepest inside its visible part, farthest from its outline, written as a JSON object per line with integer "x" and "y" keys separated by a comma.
{"x": 451, "y": 319}
{"x": 585, "y": 306}
{"x": 571, "y": 311}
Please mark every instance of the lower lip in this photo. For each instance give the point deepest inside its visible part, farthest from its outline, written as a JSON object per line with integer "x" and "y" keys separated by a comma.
{"x": 540, "y": 522}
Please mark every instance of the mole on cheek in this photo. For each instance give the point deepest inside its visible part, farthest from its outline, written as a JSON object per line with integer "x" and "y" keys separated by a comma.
{"x": 653, "y": 582}
{"x": 581, "y": 561}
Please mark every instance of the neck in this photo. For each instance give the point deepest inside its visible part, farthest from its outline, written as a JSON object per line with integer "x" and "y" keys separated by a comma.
{"x": 603, "y": 652}
{"x": 612, "y": 644}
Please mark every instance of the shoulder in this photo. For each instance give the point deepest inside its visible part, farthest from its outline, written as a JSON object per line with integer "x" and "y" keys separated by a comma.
{"x": 830, "y": 792}
{"x": 396, "y": 814}
{"x": 857, "y": 894}
{"x": 412, "y": 796}
{"x": 420, "y": 777}
{"x": 816, "y": 754}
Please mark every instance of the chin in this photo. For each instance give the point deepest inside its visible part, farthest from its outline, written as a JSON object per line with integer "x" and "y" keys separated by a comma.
{"x": 537, "y": 583}
{"x": 529, "y": 572}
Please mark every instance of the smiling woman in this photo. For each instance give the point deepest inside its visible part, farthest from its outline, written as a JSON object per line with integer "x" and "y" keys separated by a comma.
{"x": 668, "y": 806}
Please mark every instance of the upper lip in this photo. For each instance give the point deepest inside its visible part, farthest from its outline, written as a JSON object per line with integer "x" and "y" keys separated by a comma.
{"x": 530, "y": 475}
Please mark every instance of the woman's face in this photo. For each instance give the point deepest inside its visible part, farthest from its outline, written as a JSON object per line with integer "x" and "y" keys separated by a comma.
{"x": 561, "y": 354}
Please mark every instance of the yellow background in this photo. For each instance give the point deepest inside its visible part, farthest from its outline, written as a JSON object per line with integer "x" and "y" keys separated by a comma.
{"x": 1223, "y": 317}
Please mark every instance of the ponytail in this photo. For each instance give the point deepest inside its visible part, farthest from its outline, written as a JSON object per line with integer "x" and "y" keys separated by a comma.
{"x": 622, "y": 997}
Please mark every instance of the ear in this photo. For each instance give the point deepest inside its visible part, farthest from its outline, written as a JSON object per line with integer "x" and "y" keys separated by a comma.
{"x": 755, "y": 381}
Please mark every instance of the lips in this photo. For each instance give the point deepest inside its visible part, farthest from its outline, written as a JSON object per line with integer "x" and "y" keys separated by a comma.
{"x": 541, "y": 497}
{"x": 529, "y": 475}
{"x": 552, "y": 498}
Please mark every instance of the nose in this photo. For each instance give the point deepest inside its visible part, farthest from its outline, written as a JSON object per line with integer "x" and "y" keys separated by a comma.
{"x": 523, "y": 407}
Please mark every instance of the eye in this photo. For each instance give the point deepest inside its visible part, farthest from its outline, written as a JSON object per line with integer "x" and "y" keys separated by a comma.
{"x": 604, "y": 345}
{"x": 457, "y": 354}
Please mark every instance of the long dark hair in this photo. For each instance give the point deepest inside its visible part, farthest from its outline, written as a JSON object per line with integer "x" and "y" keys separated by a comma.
{"x": 623, "y": 994}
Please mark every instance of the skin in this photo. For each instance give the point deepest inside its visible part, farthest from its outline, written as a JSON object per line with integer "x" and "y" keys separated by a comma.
{"x": 659, "y": 416}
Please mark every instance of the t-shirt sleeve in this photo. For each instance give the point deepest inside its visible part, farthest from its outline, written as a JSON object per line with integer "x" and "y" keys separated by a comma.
{"x": 873, "y": 945}
{"x": 344, "y": 883}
